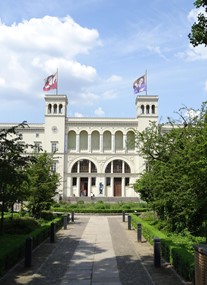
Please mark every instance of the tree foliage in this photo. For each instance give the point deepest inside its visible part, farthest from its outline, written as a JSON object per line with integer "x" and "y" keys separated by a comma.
{"x": 43, "y": 184}
{"x": 14, "y": 161}
{"x": 175, "y": 183}
{"x": 198, "y": 33}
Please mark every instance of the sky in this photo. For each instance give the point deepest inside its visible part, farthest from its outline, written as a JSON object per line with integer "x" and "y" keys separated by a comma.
{"x": 99, "y": 47}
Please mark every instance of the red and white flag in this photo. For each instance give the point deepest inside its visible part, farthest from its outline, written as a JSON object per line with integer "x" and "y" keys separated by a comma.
{"x": 50, "y": 82}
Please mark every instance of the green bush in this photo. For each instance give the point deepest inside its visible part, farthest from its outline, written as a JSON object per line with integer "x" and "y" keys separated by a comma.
{"x": 22, "y": 225}
{"x": 47, "y": 215}
{"x": 176, "y": 249}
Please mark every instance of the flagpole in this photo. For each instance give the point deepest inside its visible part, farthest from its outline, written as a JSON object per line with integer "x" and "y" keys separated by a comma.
{"x": 146, "y": 81}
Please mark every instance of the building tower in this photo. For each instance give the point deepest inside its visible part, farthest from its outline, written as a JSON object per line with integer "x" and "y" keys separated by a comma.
{"x": 55, "y": 130}
{"x": 146, "y": 110}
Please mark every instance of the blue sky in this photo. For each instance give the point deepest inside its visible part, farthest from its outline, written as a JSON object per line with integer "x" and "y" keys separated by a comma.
{"x": 99, "y": 47}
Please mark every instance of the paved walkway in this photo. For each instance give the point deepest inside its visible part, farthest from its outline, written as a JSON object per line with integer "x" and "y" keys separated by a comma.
{"x": 95, "y": 250}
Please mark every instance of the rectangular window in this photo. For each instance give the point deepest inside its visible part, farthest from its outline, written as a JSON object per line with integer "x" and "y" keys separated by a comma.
{"x": 54, "y": 147}
{"x": 37, "y": 147}
{"x": 74, "y": 181}
{"x": 54, "y": 167}
{"x": 93, "y": 181}
{"x": 127, "y": 181}
{"x": 108, "y": 181}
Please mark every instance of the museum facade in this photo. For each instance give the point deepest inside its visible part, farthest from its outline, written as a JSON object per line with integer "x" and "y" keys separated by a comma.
{"x": 94, "y": 156}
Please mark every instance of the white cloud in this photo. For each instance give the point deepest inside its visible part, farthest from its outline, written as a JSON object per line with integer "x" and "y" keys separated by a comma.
{"x": 194, "y": 53}
{"x": 33, "y": 49}
{"x": 99, "y": 112}
{"x": 193, "y": 14}
{"x": 114, "y": 78}
{"x": 2, "y": 82}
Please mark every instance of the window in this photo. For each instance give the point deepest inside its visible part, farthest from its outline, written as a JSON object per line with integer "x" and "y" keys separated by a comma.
{"x": 127, "y": 181}
{"x": 74, "y": 181}
{"x": 84, "y": 165}
{"x": 108, "y": 181}
{"x": 37, "y": 147}
{"x": 117, "y": 167}
{"x": 55, "y": 108}
{"x": 54, "y": 147}
{"x": 49, "y": 109}
{"x": 54, "y": 167}
{"x": 60, "y": 109}
{"x": 93, "y": 181}
{"x": 37, "y": 135}
{"x": 147, "y": 109}
{"x": 75, "y": 168}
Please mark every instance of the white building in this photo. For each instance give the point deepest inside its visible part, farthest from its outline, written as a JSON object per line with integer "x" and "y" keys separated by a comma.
{"x": 92, "y": 155}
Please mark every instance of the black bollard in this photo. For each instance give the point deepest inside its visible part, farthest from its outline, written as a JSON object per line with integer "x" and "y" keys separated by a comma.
{"x": 28, "y": 252}
{"x": 65, "y": 222}
{"x": 157, "y": 253}
{"x": 52, "y": 232}
{"x": 72, "y": 216}
{"x": 139, "y": 232}
{"x": 129, "y": 222}
{"x": 123, "y": 216}
{"x": 68, "y": 218}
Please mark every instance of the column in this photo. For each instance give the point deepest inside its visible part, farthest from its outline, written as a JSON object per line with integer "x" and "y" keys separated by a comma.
{"x": 124, "y": 143}
{"x": 101, "y": 143}
{"x": 89, "y": 187}
{"x": 113, "y": 142}
{"x": 77, "y": 142}
{"x": 112, "y": 186}
{"x": 123, "y": 194}
{"x": 78, "y": 186}
{"x": 89, "y": 143}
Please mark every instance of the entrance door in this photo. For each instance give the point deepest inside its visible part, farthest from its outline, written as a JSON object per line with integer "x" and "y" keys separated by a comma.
{"x": 117, "y": 187}
{"x": 84, "y": 186}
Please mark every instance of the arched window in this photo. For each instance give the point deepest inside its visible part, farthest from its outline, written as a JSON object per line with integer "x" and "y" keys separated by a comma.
{"x": 153, "y": 109}
{"x": 55, "y": 108}
{"x": 117, "y": 166}
{"x": 147, "y": 109}
{"x": 142, "y": 109}
{"x": 71, "y": 140}
{"x": 107, "y": 140}
{"x": 118, "y": 140}
{"x": 130, "y": 140}
{"x": 84, "y": 166}
{"x": 83, "y": 140}
{"x": 60, "y": 109}
{"x": 49, "y": 110}
{"x": 95, "y": 141}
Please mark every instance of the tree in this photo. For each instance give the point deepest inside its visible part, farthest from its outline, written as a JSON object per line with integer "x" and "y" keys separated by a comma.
{"x": 198, "y": 33}
{"x": 176, "y": 184}
{"x": 43, "y": 183}
{"x": 14, "y": 161}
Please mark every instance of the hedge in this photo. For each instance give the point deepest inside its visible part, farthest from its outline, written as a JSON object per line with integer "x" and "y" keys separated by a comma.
{"x": 177, "y": 254}
{"x": 17, "y": 251}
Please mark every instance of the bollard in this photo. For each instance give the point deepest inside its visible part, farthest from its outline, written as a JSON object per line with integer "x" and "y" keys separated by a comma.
{"x": 129, "y": 222}
{"x": 123, "y": 216}
{"x": 28, "y": 252}
{"x": 72, "y": 216}
{"x": 65, "y": 222}
{"x": 68, "y": 218}
{"x": 52, "y": 232}
{"x": 157, "y": 254}
{"x": 139, "y": 232}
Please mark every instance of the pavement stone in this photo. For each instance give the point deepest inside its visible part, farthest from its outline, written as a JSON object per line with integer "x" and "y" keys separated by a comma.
{"x": 94, "y": 250}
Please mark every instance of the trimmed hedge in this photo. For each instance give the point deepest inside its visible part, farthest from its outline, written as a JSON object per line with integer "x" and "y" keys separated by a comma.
{"x": 178, "y": 254}
{"x": 17, "y": 251}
